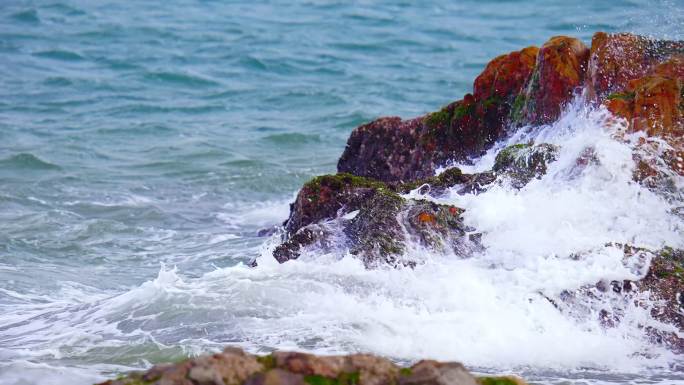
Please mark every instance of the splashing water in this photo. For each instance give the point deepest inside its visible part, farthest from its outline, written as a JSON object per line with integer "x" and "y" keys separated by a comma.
{"x": 494, "y": 311}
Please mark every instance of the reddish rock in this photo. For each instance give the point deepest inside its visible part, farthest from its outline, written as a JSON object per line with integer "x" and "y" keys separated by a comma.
{"x": 325, "y": 196}
{"x": 616, "y": 59}
{"x": 392, "y": 150}
{"x": 559, "y": 72}
{"x": 234, "y": 367}
{"x": 387, "y": 149}
{"x": 654, "y": 104}
{"x": 505, "y": 75}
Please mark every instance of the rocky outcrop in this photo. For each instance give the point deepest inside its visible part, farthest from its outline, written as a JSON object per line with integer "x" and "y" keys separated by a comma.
{"x": 637, "y": 78}
{"x": 375, "y": 219}
{"x": 394, "y": 150}
{"x": 654, "y": 104}
{"x": 379, "y": 203}
{"x": 523, "y": 162}
{"x": 235, "y": 367}
{"x": 640, "y": 80}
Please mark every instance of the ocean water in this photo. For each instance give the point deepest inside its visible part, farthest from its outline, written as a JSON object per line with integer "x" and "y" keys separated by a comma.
{"x": 144, "y": 144}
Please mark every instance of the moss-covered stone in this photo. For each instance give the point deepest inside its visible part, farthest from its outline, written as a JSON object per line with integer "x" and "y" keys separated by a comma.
{"x": 500, "y": 381}
{"x": 439, "y": 119}
{"x": 267, "y": 361}
{"x": 517, "y": 108}
{"x": 523, "y": 162}
{"x": 621, "y": 95}
{"x": 405, "y": 371}
{"x": 322, "y": 197}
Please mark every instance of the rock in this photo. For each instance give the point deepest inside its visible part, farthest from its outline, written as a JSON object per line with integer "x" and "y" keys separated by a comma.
{"x": 293, "y": 245}
{"x": 430, "y": 372}
{"x": 665, "y": 283}
{"x": 376, "y": 234}
{"x": 559, "y": 72}
{"x": 395, "y": 150}
{"x": 521, "y": 163}
{"x": 504, "y": 76}
{"x": 450, "y": 178}
{"x": 506, "y": 380}
{"x": 382, "y": 220}
{"x": 276, "y": 377}
{"x": 616, "y": 59}
{"x": 654, "y": 104}
{"x": 387, "y": 149}
{"x": 324, "y": 197}
{"x": 234, "y": 367}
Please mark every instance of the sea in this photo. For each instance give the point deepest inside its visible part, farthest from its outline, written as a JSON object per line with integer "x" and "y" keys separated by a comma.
{"x": 145, "y": 144}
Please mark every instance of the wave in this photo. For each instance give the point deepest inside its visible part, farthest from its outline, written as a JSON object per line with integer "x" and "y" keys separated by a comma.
{"x": 180, "y": 79}
{"x": 25, "y": 161}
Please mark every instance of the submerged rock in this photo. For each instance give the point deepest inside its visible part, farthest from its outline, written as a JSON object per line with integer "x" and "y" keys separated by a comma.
{"x": 665, "y": 284}
{"x": 660, "y": 291}
{"x": 235, "y": 367}
{"x": 523, "y": 162}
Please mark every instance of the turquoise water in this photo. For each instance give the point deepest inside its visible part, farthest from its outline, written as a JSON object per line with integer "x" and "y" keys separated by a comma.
{"x": 139, "y": 137}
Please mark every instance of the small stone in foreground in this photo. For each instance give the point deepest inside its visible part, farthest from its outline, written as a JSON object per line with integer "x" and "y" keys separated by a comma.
{"x": 235, "y": 367}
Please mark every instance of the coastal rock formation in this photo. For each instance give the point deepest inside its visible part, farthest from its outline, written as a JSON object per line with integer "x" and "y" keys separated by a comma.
{"x": 392, "y": 150}
{"x": 616, "y": 59}
{"x": 235, "y": 367}
{"x": 637, "y": 78}
{"x": 380, "y": 203}
{"x": 375, "y": 219}
{"x": 652, "y": 104}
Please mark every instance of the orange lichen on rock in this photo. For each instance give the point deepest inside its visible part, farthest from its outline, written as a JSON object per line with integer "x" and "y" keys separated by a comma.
{"x": 426, "y": 217}
{"x": 559, "y": 72}
{"x": 506, "y": 74}
{"x": 617, "y": 59}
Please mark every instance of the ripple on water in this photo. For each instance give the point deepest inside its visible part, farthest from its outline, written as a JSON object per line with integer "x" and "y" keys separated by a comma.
{"x": 26, "y": 161}
{"x": 58, "y": 54}
{"x": 29, "y": 16}
{"x": 179, "y": 79}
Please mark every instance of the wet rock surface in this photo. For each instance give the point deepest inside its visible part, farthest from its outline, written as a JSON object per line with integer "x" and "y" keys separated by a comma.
{"x": 381, "y": 200}
{"x": 375, "y": 220}
{"x": 235, "y": 367}
{"x": 392, "y": 150}
{"x": 559, "y": 73}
